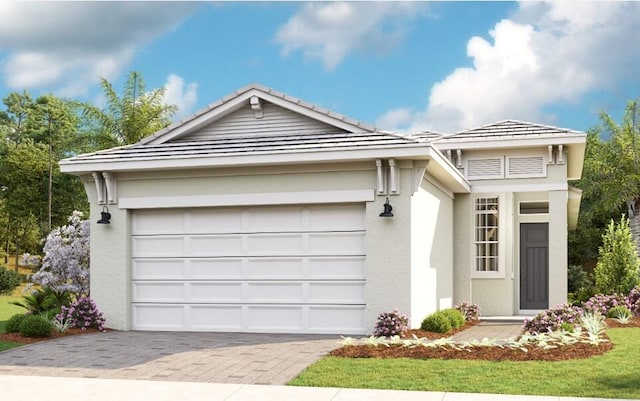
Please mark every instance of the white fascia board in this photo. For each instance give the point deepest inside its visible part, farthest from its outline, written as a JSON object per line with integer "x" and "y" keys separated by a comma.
{"x": 250, "y": 199}
{"x": 502, "y": 142}
{"x": 419, "y": 151}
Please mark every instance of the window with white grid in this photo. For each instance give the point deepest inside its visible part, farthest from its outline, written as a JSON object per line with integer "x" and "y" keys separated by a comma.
{"x": 486, "y": 219}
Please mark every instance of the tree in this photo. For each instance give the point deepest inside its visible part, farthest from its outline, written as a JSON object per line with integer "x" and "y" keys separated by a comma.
{"x": 65, "y": 266}
{"x": 133, "y": 116}
{"x": 618, "y": 269}
{"x": 53, "y": 123}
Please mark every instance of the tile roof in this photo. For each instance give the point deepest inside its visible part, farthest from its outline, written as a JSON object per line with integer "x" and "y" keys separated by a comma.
{"x": 252, "y": 145}
{"x": 509, "y": 129}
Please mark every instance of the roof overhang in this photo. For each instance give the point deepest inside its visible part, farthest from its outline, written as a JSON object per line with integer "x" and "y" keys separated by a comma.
{"x": 438, "y": 167}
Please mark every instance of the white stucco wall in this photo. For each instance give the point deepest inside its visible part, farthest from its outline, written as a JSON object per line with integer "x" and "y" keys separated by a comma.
{"x": 388, "y": 240}
{"x": 109, "y": 262}
{"x": 431, "y": 252}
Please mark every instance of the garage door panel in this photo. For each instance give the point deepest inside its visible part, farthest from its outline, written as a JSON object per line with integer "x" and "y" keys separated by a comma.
{"x": 336, "y": 243}
{"x": 275, "y": 244}
{"x": 275, "y": 268}
{"x": 215, "y": 268}
{"x": 216, "y": 318}
{"x": 336, "y": 292}
{"x": 157, "y": 222}
{"x": 215, "y": 292}
{"x": 214, "y": 245}
{"x": 347, "y": 267}
{"x": 333, "y": 319}
{"x": 275, "y": 219}
{"x": 275, "y": 318}
{"x": 336, "y": 218}
{"x": 151, "y": 269}
{"x": 166, "y": 246}
{"x": 222, "y": 220}
{"x": 274, "y": 292}
{"x": 158, "y": 292}
{"x": 159, "y": 317}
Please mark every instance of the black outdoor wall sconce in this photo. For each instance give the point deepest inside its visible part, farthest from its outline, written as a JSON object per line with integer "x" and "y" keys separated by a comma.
{"x": 105, "y": 216}
{"x": 387, "y": 209}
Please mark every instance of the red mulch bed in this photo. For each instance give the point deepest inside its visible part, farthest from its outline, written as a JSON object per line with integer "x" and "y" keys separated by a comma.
{"x": 17, "y": 338}
{"x": 567, "y": 352}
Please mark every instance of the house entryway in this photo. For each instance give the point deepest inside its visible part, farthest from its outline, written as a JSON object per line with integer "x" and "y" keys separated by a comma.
{"x": 534, "y": 266}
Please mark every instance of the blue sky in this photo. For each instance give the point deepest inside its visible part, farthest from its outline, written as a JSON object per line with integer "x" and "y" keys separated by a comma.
{"x": 408, "y": 66}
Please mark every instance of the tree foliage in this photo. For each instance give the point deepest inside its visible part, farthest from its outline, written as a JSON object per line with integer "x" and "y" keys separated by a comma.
{"x": 610, "y": 178}
{"x": 135, "y": 115}
{"x": 65, "y": 266}
{"x": 618, "y": 269}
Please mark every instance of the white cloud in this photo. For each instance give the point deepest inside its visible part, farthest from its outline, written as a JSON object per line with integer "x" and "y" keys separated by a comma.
{"x": 67, "y": 47}
{"x": 329, "y": 32}
{"x": 546, "y": 53}
{"x": 176, "y": 93}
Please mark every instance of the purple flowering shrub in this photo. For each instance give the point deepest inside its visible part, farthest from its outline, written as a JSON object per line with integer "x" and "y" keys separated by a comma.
{"x": 603, "y": 303}
{"x": 83, "y": 314}
{"x": 391, "y": 324}
{"x": 65, "y": 266}
{"x": 633, "y": 299}
{"x": 470, "y": 311}
{"x": 553, "y": 319}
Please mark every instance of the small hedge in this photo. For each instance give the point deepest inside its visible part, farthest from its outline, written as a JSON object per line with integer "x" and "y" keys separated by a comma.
{"x": 35, "y": 326}
{"x": 437, "y": 323}
{"x": 13, "y": 324}
{"x": 456, "y": 318}
{"x": 443, "y": 321}
{"x": 9, "y": 280}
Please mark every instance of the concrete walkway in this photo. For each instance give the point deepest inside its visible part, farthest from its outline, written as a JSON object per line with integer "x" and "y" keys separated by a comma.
{"x": 491, "y": 330}
{"x": 25, "y": 388}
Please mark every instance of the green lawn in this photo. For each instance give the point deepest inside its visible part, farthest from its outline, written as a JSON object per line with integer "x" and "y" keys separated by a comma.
{"x": 613, "y": 375}
{"x": 6, "y": 311}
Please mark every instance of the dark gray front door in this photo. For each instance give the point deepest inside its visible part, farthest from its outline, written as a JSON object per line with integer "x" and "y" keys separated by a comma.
{"x": 534, "y": 265}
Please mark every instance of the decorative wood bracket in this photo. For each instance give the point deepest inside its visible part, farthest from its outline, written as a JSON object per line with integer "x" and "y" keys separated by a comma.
{"x": 105, "y": 187}
{"x": 419, "y": 168}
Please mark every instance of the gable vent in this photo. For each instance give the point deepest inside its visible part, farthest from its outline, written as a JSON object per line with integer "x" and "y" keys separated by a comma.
{"x": 532, "y": 166}
{"x": 484, "y": 168}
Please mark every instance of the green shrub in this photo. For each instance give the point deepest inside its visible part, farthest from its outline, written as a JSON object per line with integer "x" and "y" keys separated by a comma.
{"x": 436, "y": 322}
{"x": 566, "y": 326}
{"x": 456, "y": 318}
{"x": 619, "y": 311}
{"x": 13, "y": 324}
{"x": 578, "y": 279}
{"x": 35, "y": 326}
{"x": 618, "y": 268}
{"x": 9, "y": 280}
{"x": 44, "y": 300}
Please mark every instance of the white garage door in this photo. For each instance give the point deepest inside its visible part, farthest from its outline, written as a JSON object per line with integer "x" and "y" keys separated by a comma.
{"x": 292, "y": 269}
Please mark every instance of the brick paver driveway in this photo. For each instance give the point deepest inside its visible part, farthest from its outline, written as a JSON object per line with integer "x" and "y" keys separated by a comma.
{"x": 194, "y": 357}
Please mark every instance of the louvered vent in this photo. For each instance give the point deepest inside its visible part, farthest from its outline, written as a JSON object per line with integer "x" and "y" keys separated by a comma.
{"x": 484, "y": 168}
{"x": 532, "y": 166}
